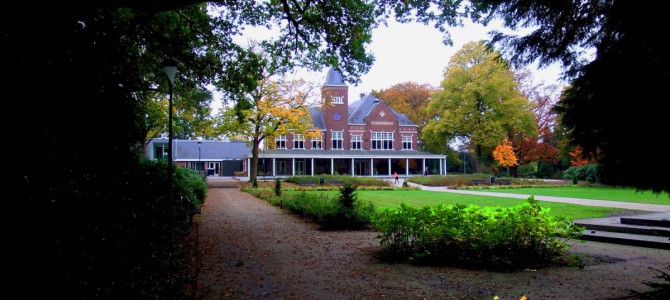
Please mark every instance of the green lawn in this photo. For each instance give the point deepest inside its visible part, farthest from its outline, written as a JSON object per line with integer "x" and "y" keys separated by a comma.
{"x": 598, "y": 193}
{"x": 419, "y": 198}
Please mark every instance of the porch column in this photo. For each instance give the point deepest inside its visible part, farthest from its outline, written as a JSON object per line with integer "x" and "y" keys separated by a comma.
{"x": 249, "y": 167}
{"x": 441, "y": 166}
{"x": 332, "y": 166}
{"x": 352, "y": 167}
{"x": 423, "y": 170}
{"x": 312, "y": 169}
{"x": 274, "y": 174}
{"x": 390, "y": 167}
{"x": 292, "y": 166}
{"x": 407, "y": 167}
{"x": 372, "y": 167}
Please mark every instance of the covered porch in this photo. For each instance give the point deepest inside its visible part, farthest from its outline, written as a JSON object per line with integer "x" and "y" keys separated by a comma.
{"x": 285, "y": 162}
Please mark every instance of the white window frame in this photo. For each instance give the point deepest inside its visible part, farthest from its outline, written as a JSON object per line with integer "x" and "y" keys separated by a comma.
{"x": 337, "y": 140}
{"x": 298, "y": 141}
{"x": 317, "y": 142}
{"x": 381, "y": 140}
{"x": 280, "y": 142}
{"x": 406, "y": 142}
{"x": 356, "y": 142}
{"x": 387, "y": 140}
{"x": 338, "y": 99}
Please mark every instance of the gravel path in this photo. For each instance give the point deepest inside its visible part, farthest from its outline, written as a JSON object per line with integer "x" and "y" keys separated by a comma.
{"x": 249, "y": 249}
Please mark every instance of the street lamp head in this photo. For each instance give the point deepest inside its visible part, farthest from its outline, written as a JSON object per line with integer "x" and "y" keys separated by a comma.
{"x": 170, "y": 67}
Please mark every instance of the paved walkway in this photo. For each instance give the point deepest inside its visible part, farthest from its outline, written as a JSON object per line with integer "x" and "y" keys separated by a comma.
{"x": 588, "y": 202}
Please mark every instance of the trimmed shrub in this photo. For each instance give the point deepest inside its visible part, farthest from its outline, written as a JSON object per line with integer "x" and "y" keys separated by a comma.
{"x": 343, "y": 212}
{"x": 590, "y": 173}
{"x": 491, "y": 237}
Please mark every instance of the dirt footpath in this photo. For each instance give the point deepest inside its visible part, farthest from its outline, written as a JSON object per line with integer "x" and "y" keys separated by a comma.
{"x": 249, "y": 249}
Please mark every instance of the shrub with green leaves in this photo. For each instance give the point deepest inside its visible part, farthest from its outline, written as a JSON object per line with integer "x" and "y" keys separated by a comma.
{"x": 348, "y": 213}
{"x": 343, "y": 212}
{"x": 354, "y": 180}
{"x": 490, "y": 237}
{"x": 590, "y": 173}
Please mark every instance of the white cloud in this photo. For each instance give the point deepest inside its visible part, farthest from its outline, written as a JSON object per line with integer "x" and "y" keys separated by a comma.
{"x": 414, "y": 52}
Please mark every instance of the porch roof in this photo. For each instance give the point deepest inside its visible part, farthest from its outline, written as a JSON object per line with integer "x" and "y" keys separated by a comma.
{"x": 320, "y": 153}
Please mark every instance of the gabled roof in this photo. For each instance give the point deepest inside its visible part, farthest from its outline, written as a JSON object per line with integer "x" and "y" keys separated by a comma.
{"x": 403, "y": 120}
{"x": 334, "y": 77}
{"x": 364, "y": 107}
{"x": 317, "y": 117}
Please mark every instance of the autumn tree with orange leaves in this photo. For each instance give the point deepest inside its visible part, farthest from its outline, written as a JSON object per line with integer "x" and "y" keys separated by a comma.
{"x": 504, "y": 154}
{"x": 577, "y": 159}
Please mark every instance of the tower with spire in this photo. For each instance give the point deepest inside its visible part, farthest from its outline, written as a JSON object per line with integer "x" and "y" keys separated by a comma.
{"x": 335, "y": 107}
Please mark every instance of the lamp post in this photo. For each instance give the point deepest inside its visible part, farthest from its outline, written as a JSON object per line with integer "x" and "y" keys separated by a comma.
{"x": 264, "y": 168}
{"x": 199, "y": 163}
{"x": 464, "y": 149}
{"x": 170, "y": 68}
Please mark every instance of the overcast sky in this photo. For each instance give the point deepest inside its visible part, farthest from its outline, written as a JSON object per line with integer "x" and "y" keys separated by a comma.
{"x": 411, "y": 52}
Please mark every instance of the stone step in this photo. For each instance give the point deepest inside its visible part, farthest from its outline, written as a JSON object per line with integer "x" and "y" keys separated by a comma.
{"x": 644, "y": 230}
{"x": 626, "y": 228}
{"x": 641, "y": 240}
{"x": 645, "y": 222}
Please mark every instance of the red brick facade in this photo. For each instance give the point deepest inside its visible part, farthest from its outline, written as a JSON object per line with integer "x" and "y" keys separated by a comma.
{"x": 375, "y": 119}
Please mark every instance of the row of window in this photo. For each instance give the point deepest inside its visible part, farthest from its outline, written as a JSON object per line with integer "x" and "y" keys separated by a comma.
{"x": 379, "y": 141}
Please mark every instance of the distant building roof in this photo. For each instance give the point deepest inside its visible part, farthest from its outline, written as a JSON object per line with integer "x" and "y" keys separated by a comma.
{"x": 187, "y": 150}
{"x": 334, "y": 77}
{"x": 210, "y": 150}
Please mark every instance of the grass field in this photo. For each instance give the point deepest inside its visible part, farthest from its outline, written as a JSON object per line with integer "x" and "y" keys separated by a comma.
{"x": 418, "y": 198}
{"x": 597, "y": 193}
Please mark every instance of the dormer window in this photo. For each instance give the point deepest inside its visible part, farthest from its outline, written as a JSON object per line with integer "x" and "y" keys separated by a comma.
{"x": 338, "y": 100}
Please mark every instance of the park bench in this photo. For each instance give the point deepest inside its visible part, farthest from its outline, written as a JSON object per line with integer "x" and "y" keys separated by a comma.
{"x": 312, "y": 182}
{"x": 504, "y": 181}
{"x": 480, "y": 182}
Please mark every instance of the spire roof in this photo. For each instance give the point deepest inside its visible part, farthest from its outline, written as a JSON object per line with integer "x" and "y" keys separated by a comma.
{"x": 334, "y": 77}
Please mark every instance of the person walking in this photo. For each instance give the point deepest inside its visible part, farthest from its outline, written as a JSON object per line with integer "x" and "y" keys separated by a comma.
{"x": 395, "y": 175}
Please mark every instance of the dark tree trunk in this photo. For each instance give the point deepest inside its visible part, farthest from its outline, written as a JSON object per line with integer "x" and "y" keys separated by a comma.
{"x": 253, "y": 173}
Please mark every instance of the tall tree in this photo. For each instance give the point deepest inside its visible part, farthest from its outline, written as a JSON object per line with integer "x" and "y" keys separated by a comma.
{"x": 611, "y": 108}
{"x": 192, "y": 115}
{"x": 541, "y": 147}
{"x": 408, "y": 98}
{"x": 275, "y": 107}
{"x": 479, "y": 102}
